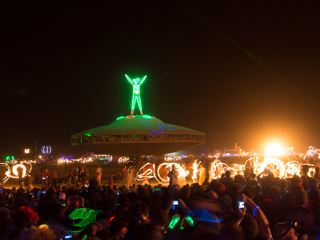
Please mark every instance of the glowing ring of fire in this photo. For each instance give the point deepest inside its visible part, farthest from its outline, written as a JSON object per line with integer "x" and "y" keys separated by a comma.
{"x": 271, "y": 162}
{"x": 149, "y": 173}
{"x": 144, "y": 175}
{"x": 311, "y": 170}
{"x": 182, "y": 172}
{"x": 218, "y": 164}
{"x": 14, "y": 171}
{"x": 6, "y": 178}
{"x": 292, "y": 168}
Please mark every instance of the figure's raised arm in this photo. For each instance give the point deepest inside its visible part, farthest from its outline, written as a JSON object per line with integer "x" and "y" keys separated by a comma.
{"x": 143, "y": 79}
{"x": 129, "y": 80}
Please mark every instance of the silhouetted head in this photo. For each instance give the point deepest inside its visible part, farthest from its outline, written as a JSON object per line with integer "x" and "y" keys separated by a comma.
{"x": 301, "y": 198}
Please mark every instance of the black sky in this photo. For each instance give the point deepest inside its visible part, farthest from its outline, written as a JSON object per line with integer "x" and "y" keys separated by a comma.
{"x": 62, "y": 67}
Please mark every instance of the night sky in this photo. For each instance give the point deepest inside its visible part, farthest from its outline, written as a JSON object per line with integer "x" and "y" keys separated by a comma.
{"x": 239, "y": 71}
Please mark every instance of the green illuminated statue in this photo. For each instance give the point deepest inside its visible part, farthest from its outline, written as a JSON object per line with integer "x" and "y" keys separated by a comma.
{"x": 136, "y": 82}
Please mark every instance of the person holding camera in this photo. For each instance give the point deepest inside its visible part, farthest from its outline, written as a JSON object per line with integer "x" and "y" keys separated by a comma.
{"x": 264, "y": 229}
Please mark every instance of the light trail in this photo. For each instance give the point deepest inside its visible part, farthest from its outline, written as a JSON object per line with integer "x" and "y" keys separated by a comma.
{"x": 12, "y": 172}
{"x": 195, "y": 166}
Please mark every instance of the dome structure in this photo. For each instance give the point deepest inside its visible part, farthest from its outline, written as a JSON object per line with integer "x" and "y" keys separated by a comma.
{"x": 135, "y": 135}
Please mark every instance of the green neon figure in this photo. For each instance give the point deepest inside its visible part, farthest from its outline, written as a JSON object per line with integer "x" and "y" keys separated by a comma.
{"x": 136, "y": 82}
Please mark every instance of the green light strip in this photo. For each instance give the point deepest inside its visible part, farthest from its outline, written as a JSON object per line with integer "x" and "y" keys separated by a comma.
{"x": 174, "y": 220}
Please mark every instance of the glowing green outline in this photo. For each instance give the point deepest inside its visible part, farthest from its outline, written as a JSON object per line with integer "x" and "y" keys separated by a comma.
{"x": 136, "y": 82}
{"x": 174, "y": 220}
{"x": 86, "y": 216}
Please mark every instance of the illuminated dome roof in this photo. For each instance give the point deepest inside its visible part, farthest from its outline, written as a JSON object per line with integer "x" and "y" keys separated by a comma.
{"x": 137, "y": 124}
{"x": 138, "y": 135}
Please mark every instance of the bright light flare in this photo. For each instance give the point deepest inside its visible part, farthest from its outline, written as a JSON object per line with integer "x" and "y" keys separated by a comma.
{"x": 274, "y": 149}
{"x": 195, "y": 170}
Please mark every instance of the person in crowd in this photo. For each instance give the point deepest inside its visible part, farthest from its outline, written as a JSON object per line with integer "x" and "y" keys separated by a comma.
{"x": 44, "y": 178}
{"x": 173, "y": 176}
{"x": 195, "y": 167}
{"x": 42, "y": 233}
{"x": 284, "y": 231}
{"x": 300, "y": 214}
{"x": 86, "y": 175}
{"x": 69, "y": 178}
{"x": 75, "y": 176}
{"x": 272, "y": 207}
{"x": 227, "y": 178}
{"x": 264, "y": 229}
{"x": 54, "y": 177}
{"x": 111, "y": 183}
{"x": 4, "y": 222}
{"x": 131, "y": 176}
{"x": 98, "y": 178}
{"x": 99, "y": 170}
{"x": 20, "y": 174}
{"x": 317, "y": 173}
{"x": 181, "y": 178}
{"x": 282, "y": 184}
{"x": 258, "y": 196}
{"x": 240, "y": 180}
{"x": 250, "y": 226}
{"x": 28, "y": 181}
{"x": 224, "y": 200}
{"x": 231, "y": 165}
{"x": 203, "y": 174}
{"x": 231, "y": 232}
{"x": 114, "y": 178}
{"x": 314, "y": 199}
{"x": 149, "y": 232}
{"x": 125, "y": 177}
{"x": 190, "y": 212}
{"x": 123, "y": 205}
{"x": 22, "y": 219}
{"x": 118, "y": 228}
{"x": 118, "y": 175}
{"x": 38, "y": 177}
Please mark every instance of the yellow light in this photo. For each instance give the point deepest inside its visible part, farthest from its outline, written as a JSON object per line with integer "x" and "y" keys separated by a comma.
{"x": 44, "y": 226}
{"x": 27, "y": 150}
{"x": 274, "y": 149}
{"x": 195, "y": 170}
{"x": 274, "y": 164}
